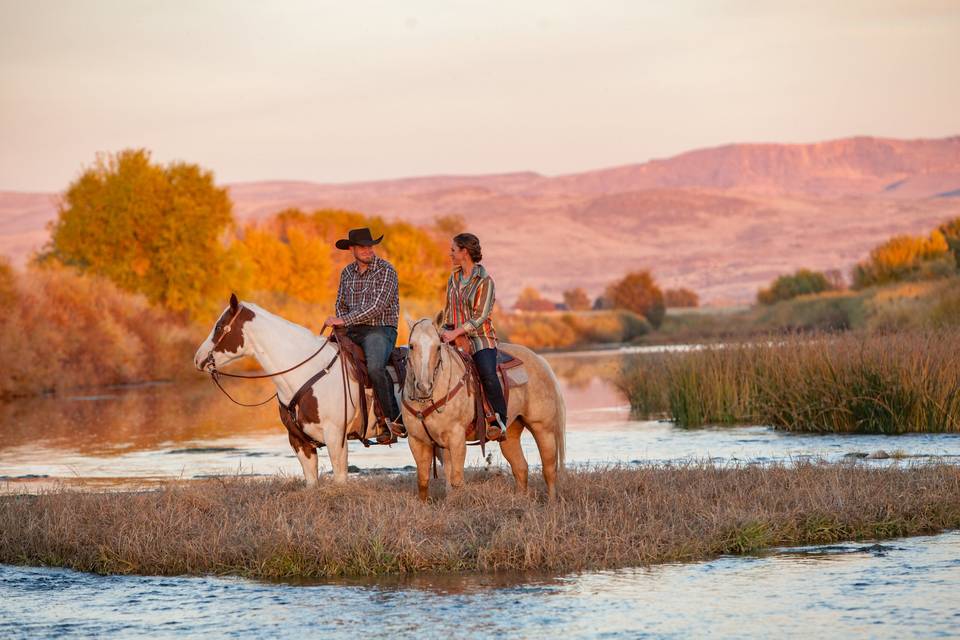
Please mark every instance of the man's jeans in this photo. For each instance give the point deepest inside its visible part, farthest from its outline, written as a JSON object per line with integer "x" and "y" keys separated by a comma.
{"x": 378, "y": 343}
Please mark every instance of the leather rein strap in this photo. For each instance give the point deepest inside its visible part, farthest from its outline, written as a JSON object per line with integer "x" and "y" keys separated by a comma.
{"x": 216, "y": 374}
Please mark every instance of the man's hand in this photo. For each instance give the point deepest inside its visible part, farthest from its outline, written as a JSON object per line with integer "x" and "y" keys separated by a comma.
{"x": 451, "y": 334}
{"x": 333, "y": 321}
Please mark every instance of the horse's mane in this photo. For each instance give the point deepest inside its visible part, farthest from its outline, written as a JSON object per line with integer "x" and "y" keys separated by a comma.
{"x": 300, "y": 330}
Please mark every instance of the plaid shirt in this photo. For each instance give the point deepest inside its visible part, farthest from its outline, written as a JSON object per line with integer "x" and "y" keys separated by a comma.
{"x": 470, "y": 305}
{"x": 369, "y": 298}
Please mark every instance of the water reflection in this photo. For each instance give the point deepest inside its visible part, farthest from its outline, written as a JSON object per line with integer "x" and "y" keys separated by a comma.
{"x": 158, "y": 432}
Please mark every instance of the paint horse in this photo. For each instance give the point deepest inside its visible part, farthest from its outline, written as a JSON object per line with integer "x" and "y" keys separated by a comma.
{"x": 437, "y": 410}
{"x": 326, "y": 396}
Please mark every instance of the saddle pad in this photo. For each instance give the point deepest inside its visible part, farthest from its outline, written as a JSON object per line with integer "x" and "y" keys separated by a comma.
{"x": 517, "y": 376}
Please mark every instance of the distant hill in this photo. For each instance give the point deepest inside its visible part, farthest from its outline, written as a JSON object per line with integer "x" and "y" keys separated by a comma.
{"x": 722, "y": 221}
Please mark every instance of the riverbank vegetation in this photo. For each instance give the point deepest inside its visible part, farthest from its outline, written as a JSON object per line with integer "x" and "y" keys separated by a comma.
{"x": 849, "y": 383}
{"x": 604, "y": 518}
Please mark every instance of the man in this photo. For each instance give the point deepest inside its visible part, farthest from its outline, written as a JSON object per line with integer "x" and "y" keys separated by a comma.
{"x": 368, "y": 305}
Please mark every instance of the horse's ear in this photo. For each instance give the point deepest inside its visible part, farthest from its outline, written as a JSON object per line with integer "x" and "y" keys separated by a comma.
{"x": 410, "y": 322}
{"x": 234, "y": 303}
{"x": 438, "y": 320}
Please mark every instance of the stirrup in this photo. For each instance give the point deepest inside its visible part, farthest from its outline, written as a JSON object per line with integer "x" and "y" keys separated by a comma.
{"x": 496, "y": 430}
{"x": 386, "y": 437}
{"x": 397, "y": 429}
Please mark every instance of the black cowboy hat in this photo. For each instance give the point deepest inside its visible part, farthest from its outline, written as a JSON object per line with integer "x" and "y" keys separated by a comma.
{"x": 358, "y": 237}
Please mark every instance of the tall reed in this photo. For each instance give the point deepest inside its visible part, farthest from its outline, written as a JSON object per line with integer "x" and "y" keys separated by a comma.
{"x": 894, "y": 383}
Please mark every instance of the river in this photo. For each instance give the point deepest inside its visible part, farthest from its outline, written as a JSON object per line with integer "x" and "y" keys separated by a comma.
{"x": 134, "y": 437}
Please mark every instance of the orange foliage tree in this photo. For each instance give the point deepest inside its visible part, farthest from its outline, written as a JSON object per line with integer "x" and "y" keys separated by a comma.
{"x": 903, "y": 257}
{"x": 576, "y": 299}
{"x": 638, "y": 292}
{"x": 531, "y": 300}
{"x": 150, "y": 229}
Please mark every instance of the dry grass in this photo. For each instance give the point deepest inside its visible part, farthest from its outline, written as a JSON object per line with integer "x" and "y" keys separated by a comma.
{"x": 605, "y": 518}
{"x": 62, "y": 330}
{"x": 904, "y": 382}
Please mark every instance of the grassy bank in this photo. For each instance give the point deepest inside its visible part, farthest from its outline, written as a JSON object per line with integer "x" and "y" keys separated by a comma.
{"x": 850, "y": 383}
{"x": 604, "y": 519}
{"x": 542, "y": 330}
{"x": 926, "y": 305}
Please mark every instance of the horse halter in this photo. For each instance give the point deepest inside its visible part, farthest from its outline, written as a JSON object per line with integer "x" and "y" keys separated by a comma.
{"x": 215, "y": 374}
{"x": 227, "y": 328}
{"x": 433, "y": 378}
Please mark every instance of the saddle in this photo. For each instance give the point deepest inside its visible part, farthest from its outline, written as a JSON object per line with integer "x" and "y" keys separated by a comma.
{"x": 511, "y": 374}
{"x": 353, "y": 361}
{"x": 356, "y": 361}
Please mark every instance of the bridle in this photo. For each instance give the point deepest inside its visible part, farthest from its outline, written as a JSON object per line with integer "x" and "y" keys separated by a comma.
{"x": 433, "y": 377}
{"x": 210, "y": 365}
{"x": 434, "y": 406}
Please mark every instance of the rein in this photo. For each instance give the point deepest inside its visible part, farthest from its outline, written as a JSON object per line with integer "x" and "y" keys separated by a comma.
{"x": 434, "y": 406}
{"x": 215, "y": 375}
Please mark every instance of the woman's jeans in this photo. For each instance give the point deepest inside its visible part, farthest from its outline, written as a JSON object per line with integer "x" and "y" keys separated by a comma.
{"x": 486, "y": 361}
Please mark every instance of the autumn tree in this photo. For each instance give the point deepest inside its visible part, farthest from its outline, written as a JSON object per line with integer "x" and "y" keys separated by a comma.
{"x": 675, "y": 298}
{"x": 905, "y": 257}
{"x": 637, "y": 292}
{"x": 576, "y": 299}
{"x": 150, "y": 229}
{"x": 531, "y": 300}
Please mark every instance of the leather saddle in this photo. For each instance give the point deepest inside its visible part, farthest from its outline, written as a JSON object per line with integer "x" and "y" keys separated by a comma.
{"x": 357, "y": 362}
{"x": 512, "y": 374}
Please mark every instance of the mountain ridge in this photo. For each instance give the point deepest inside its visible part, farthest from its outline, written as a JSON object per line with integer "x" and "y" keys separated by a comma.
{"x": 722, "y": 220}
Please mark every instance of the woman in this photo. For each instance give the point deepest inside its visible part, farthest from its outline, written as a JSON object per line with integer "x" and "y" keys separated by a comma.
{"x": 469, "y": 305}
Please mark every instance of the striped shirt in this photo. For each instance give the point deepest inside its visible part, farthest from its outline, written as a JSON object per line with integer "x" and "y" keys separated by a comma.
{"x": 369, "y": 298}
{"x": 470, "y": 305}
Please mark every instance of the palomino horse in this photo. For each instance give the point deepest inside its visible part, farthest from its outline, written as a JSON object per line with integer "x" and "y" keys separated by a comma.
{"x": 244, "y": 329}
{"x": 434, "y": 371}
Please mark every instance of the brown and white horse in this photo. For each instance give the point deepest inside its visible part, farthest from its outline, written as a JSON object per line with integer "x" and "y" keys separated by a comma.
{"x": 434, "y": 370}
{"x": 246, "y": 330}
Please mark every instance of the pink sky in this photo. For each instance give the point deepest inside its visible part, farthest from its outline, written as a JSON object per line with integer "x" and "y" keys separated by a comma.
{"x": 341, "y": 91}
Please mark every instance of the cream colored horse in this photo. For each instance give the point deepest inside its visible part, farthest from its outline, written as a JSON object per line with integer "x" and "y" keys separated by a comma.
{"x": 434, "y": 369}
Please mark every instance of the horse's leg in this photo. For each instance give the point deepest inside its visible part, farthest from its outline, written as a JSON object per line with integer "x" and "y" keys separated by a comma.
{"x": 511, "y": 450}
{"x": 307, "y": 457}
{"x": 337, "y": 451}
{"x": 447, "y": 464}
{"x": 423, "y": 455}
{"x": 458, "y": 458}
{"x": 543, "y": 433}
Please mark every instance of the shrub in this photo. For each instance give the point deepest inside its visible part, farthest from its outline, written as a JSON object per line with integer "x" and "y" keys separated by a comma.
{"x": 905, "y": 257}
{"x": 680, "y": 298}
{"x": 802, "y": 282}
{"x": 69, "y": 330}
